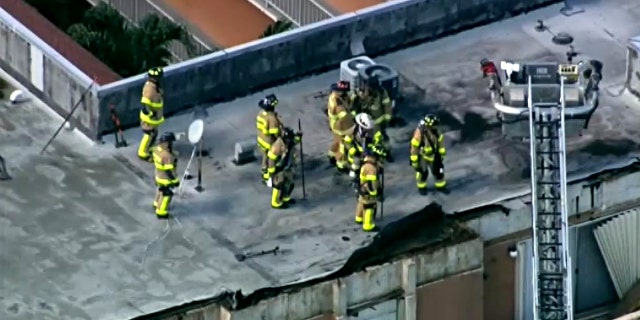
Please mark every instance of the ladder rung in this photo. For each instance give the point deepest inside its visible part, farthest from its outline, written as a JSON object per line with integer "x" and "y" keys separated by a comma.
{"x": 549, "y": 213}
{"x": 548, "y": 168}
{"x": 549, "y": 198}
{"x": 550, "y": 244}
{"x": 551, "y": 275}
{"x": 548, "y": 229}
{"x": 546, "y": 122}
{"x": 547, "y": 182}
{"x": 549, "y": 137}
{"x": 548, "y": 152}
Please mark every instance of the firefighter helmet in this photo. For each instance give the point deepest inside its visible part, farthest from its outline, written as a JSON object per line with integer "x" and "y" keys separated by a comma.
{"x": 269, "y": 102}
{"x": 155, "y": 72}
{"x": 430, "y": 120}
{"x": 341, "y": 86}
{"x": 167, "y": 137}
{"x": 287, "y": 133}
{"x": 364, "y": 121}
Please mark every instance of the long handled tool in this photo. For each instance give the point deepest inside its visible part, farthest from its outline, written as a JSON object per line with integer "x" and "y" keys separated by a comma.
{"x": 304, "y": 190}
{"x": 4, "y": 175}
{"x": 186, "y": 174}
{"x": 66, "y": 119}
{"x": 244, "y": 256}
{"x": 381, "y": 194}
{"x": 119, "y": 135}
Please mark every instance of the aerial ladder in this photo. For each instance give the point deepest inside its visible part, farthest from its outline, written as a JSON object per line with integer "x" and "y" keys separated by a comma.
{"x": 552, "y": 271}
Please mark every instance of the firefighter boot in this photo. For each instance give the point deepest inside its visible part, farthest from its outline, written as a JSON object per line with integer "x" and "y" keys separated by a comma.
{"x": 162, "y": 211}
{"x": 276, "y": 199}
{"x": 359, "y": 212}
{"x": 286, "y": 197}
{"x": 368, "y": 224}
{"x": 421, "y": 182}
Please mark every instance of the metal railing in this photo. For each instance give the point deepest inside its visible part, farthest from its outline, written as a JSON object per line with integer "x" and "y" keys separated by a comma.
{"x": 137, "y": 10}
{"x": 300, "y": 12}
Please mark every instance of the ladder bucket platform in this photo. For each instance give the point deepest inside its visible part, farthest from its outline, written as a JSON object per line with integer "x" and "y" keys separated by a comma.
{"x": 580, "y": 93}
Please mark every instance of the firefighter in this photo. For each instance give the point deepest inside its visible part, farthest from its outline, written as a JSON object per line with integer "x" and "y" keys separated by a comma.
{"x": 166, "y": 163}
{"x": 375, "y": 101}
{"x": 341, "y": 122}
{"x": 151, "y": 115}
{"x": 355, "y": 141}
{"x": 269, "y": 125}
{"x": 280, "y": 168}
{"x": 427, "y": 153}
{"x": 369, "y": 186}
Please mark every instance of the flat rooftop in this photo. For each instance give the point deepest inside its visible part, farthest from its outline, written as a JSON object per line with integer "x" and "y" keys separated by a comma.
{"x": 80, "y": 239}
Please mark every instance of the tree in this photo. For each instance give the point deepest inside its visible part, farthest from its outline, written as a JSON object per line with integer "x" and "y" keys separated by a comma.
{"x": 127, "y": 49}
{"x": 277, "y": 27}
{"x": 62, "y": 13}
{"x": 153, "y": 36}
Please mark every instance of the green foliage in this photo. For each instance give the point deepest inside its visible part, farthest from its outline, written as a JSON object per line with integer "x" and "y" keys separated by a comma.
{"x": 277, "y": 27}
{"x": 127, "y": 49}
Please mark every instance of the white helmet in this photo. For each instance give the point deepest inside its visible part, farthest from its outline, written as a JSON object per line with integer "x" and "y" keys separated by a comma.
{"x": 364, "y": 121}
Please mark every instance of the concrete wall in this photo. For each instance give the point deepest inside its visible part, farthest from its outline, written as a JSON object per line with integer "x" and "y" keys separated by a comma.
{"x": 47, "y": 74}
{"x": 359, "y": 291}
{"x": 240, "y": 70}
{"x": 589, "y": 198}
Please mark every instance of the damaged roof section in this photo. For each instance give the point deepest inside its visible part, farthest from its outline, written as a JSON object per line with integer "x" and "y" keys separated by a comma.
{"x": 424, "y": 231}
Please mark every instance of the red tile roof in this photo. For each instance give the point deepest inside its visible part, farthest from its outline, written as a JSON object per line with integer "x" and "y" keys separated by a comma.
{"x": 59, "y": 41}
{"x": 226, "y": 22}
{"x": 345, "y": 6}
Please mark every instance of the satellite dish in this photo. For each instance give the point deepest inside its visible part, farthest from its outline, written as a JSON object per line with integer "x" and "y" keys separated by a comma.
{"x": 196, "y": 129}
{"x": 17, "y": 96}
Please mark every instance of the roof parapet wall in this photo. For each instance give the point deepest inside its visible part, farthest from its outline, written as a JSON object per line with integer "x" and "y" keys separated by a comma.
{"x": 51, "y": 65}
{"x": 228, "y": 74}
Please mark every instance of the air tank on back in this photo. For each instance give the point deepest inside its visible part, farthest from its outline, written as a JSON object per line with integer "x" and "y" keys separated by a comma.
{"x": 388, "y": 78}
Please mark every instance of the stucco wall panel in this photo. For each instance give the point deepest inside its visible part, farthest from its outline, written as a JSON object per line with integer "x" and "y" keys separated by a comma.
{"x": 454, "y": 298}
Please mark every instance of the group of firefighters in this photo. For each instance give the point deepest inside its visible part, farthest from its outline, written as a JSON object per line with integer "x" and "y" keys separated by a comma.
{"x": 358, "y": 121}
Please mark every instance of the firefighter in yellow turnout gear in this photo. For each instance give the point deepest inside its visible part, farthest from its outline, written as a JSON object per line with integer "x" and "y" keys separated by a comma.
{"x": 166, "y": 162}
{"x": 151, "y": 112}
{"x": 374, "y": 100}
{"x": 281, "y": 159}
{"x": 269, "y": 126}
{"x": 341, "y": 123}
{"x": 356, "y": 141}
{"x": 427, "y": 153}
{"x": 369, "y": 187}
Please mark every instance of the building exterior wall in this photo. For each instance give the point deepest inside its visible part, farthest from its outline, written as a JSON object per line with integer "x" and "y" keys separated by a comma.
{"x": 458, "y": 297}
{"x": 499, "y": 282}
{"x": 377, "y": 293}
